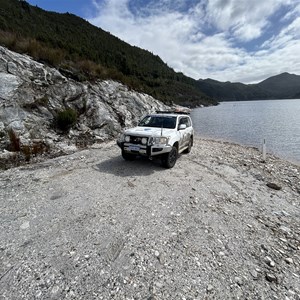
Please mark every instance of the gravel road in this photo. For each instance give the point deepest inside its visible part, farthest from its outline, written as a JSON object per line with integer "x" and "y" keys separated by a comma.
{"x": 220, "y": 225}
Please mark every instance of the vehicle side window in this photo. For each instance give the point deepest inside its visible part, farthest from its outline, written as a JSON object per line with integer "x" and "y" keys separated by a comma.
{"x": 188, "y": 122}
{"x": 184, "y": 120}
{"x": 179, "y": 123}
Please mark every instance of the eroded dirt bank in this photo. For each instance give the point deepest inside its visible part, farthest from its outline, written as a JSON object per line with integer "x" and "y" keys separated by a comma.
{"x": 92, "y": 226}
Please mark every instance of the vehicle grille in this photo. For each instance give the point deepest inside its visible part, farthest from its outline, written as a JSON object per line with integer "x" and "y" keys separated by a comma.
{"x": 136, "y": 140}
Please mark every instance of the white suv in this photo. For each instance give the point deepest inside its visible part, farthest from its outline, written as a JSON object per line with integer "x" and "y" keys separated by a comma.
{"x": 164, "y": 134}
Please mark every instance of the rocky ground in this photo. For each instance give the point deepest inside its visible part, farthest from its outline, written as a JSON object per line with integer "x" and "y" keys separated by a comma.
{"x": 221, "y": 224}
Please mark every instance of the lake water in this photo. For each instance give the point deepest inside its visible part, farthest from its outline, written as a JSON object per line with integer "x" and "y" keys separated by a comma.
{"x": 250, "y": 122}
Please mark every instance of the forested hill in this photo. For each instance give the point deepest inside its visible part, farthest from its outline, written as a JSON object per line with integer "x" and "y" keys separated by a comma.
{"x": 85, "y": 52}
{"x": 282, "y": 86}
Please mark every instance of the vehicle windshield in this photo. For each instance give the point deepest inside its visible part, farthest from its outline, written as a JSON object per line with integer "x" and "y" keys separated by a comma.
{"x": 159, "y": 121}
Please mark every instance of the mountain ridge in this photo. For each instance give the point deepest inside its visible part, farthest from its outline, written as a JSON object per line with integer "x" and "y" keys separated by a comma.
{"x": 281, "y": 86}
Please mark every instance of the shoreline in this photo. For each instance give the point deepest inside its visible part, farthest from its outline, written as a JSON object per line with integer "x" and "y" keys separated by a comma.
{"x": 220, "y": 224}
{"x": 273, "y": 154}
{"x": 280, "y": 140}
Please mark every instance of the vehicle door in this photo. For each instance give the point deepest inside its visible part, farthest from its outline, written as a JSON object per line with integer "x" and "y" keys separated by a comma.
{"x": 184, "y": 133}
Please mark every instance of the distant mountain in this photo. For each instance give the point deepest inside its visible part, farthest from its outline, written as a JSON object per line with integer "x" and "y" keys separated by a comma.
{"x": 282, "y": 86}
{"x": 85, "y": 52}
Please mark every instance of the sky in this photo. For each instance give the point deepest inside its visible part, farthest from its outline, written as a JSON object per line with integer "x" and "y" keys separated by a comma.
{"x": 227, "y": 40}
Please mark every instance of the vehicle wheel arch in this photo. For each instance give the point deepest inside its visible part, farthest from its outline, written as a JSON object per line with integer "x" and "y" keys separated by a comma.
{"x": 176, "y": 145}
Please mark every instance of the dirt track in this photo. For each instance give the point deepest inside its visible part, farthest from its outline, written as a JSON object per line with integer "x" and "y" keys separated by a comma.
{"x": 92, "y": 226}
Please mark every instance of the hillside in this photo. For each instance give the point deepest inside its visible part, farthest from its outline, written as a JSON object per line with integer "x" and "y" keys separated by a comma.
{"x": 282, "y": 86}
{"x": 43, "y": 113}
{"x": 85, "y": 52}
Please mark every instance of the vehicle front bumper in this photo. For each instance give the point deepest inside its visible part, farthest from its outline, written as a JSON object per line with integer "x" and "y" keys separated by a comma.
{"x": 144, "y": 150}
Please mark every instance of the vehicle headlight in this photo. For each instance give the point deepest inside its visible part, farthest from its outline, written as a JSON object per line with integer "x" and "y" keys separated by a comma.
{"x": 127, "y": 138}
{"x": 160, "y": 140}
{"x": 144, "y": 141}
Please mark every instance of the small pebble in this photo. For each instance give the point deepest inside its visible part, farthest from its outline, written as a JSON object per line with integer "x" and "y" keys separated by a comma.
{"x": 25, "y": 225}
{"x": 269, "y": 261}
{"x": 209, "y": 288}
{"x": 273, "y": 186}
{"x": 285, "y": 229}
{"x": 238, "y": 281}
{"x": 271, "y": 277}
{"x": 55, "y": 289}
{"x": 289, "y": 260}
{"x": 253, "y": 273}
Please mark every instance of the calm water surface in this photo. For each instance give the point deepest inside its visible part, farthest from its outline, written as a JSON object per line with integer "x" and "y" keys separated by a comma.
{"x": 250, "y": 122}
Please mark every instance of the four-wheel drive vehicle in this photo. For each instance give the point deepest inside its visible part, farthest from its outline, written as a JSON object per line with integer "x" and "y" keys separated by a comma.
{"x": 164, "y": 134}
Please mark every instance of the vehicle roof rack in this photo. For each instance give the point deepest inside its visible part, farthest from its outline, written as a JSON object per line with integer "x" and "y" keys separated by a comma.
{"x": 172, "y": 112}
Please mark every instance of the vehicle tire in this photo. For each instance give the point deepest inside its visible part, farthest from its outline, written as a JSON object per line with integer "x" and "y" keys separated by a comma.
{"x": 169, "y": 159}
{"x": 189, "y": 148}
{"x": 128, "y": 156}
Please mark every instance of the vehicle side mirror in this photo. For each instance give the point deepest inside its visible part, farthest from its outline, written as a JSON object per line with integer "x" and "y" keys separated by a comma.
{"x": 182, "y": 126}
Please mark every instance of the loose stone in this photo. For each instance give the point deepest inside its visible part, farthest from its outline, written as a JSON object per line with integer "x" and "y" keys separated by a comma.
{"x": 271, "y": 277}
{"x": 273, "y": 186}
{"x": 238, "y": 281}
{"x": 269, "y": 261}
{"x": 209, "y": 288}
{"x": 254, "y": 274}
{"x": 289, "y": 260}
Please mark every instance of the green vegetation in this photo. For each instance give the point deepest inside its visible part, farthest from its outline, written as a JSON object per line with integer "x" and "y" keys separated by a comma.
{"x": 65, "y": 119}
{"x": 27, "y": 152}
{"x": 85, "y": 52}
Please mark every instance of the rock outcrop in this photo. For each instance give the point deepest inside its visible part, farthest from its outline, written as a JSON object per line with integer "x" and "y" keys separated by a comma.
{"x": 32, "y": 94}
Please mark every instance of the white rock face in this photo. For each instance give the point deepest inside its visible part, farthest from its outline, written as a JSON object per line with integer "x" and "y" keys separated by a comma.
{"x": 31, "y": 95}
{"x": 9, "y": 84}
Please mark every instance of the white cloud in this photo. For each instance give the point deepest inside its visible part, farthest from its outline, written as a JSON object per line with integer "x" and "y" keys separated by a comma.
{"x": 246, "y": 19}
{"x": 210, "y": 38}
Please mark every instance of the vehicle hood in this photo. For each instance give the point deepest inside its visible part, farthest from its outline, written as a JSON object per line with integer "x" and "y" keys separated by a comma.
{"x": 149, "y": 131}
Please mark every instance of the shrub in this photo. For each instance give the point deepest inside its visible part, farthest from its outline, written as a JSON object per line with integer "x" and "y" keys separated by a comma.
{"x": 39, "y": 148}
{"x": 65, "y": 119}
{"x": 15, "y": 145}
{"x": 42, "y": 101}
{"x": 27, "y": 152}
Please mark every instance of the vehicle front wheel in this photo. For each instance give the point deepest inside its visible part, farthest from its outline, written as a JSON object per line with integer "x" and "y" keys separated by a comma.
{"x": 128, "y": 156}
{"x": 169, "y": 159}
